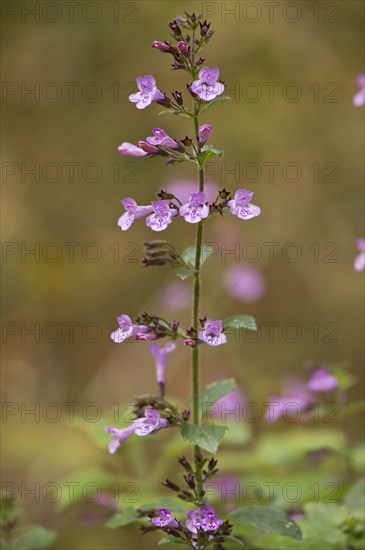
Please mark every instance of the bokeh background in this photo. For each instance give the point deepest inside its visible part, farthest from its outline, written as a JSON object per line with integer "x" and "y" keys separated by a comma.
{"x": 98, "y": 52}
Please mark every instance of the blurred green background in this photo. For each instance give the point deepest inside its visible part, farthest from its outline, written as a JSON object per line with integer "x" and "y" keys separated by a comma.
{"x": 102, "y": 48}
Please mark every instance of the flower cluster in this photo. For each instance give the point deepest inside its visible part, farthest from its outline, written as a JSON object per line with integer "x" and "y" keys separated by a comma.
{"x": 160, "y": 213}
{"x": 202, "y": 519}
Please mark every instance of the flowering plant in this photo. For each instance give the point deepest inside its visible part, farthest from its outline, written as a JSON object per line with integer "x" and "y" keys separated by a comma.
{"x": 201, "y": 527}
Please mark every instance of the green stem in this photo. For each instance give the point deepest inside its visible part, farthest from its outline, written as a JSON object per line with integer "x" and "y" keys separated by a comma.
{"x": 196, "y": 304}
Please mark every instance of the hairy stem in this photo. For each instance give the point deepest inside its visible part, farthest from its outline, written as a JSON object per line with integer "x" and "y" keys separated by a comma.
{"x": 196, "y": 303}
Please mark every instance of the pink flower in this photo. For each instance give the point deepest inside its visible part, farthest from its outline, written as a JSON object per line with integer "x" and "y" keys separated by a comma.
{"x": 160, "y": 355}
{"x": 359, "y": 97}
{"x": 213, "y": 333}
{"x": 132, "y": 150}
{"x": 164, "y": 518}
{"x": 162, "y": 46}
{"x": 133, "y": 212}
{"x": 119, "y": 435}
{"x": 125, "y": 330}
{"x": 148, "y": 92}
{"x": 150, "y": 422}
{"x": 241, "y": 206}
{"x": 162, "y": 215}
{"x": 161, "y": 138}
{"x": 359, "y": 262}
{"x": 321, "y": 381}
{"x": 207, "y": 87}
{"x": 196, "y": 209}
{"x": 244, "y": 283}
{"x": 203, "y": 518}
{"x": 204, "y": 133}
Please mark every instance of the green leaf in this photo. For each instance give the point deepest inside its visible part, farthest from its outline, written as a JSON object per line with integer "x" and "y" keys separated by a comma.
{"x": 207, "y": 436}
{"x": 216, "y": 390}
{"x": 208, "y": 104}
{"x": 174, "y": 112}
{"x": 210, "y": 151}
{"x": 34, "y": 537}
{"x": 123, "y": 517}
{"x": 188, "y": 257}
{"x": 240, "y": 321}
{"x": 267, "y": 519}
{"x": 184, "y": 273}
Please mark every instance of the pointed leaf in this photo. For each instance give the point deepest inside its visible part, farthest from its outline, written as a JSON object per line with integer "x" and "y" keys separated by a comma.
{"x": 267, "y": 519}
{"x": 220, "y": 99}
{"x": 240, "y": 321}
{"x": 216, "y": 390}
{"x": 207, "y": 436}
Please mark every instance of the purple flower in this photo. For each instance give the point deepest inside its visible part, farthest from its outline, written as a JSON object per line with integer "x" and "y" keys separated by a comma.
{"x": 212, "y": 333}
{"x": 359, "y": 97}
{"x": 162, "y": 46}
{"x": 164, "y": 518}
{"x": 162, "y": 215}
{"x": 150, "y": 422}
{"x": 207, "y": 87}
{"x": 241, "y": 206}
{"x": 322, "y": 380}
{"x": 204, "y": 133}
{"x": 244, "y": 283}
{"x": 148, "y": 92}
{"x": 296, "y": 399}
{"x": 203, "y": 518}
{"x": 132, "y": 150}
{"x": 161, "y": 138}
{"x": 133, "y": 212}
{"x": 160, "y": 355}
{"x": 119, "y": 435}
{"x": 196, "y": 209}
{"x": 125, "y": 330}
{"x": 359, "y": 262}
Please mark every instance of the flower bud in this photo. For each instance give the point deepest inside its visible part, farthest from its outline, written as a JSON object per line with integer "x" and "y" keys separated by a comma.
{"x": 183, "y": 47}
{"x": 170, "y": 485}
{"x": 162, "y": 46}
{"x": 185, "y": 464}
{"x": 148, "y": 148}
{"x": 204, "y": 133}
{"x": 175, "y": 28}
{"x": 190, "y": 481}
{"x": 178, "y": 97}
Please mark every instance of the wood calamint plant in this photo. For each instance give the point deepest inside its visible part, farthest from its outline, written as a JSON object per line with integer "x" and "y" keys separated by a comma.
{"x": 201, "y": 528}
